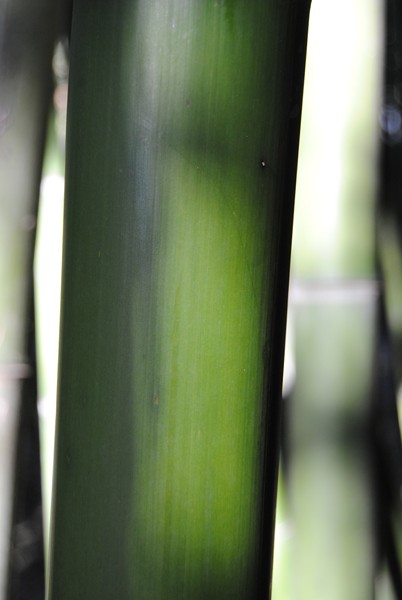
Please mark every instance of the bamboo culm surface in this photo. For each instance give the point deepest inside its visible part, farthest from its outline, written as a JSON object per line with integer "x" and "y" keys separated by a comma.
{"x": 181, "y": 158}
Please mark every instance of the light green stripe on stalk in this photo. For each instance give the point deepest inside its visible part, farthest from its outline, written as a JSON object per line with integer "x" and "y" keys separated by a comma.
{"x": 197, "y": 434}
{"x": 200, "y": 383}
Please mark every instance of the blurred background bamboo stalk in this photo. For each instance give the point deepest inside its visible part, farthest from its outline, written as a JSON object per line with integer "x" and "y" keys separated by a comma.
{"x": 389, "y": 236}
{"x": 330, "y": 546}
{"x": 27, "y": 31}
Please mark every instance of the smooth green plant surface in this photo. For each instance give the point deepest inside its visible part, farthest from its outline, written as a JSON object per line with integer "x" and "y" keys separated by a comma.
{"x": 177, "y": 198}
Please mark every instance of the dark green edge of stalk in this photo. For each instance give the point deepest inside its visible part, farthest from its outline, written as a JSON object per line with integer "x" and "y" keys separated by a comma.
{"x": 296, "y": 60}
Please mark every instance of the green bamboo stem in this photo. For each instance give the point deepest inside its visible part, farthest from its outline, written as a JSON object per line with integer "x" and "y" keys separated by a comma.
{"x": 181, "y": 153}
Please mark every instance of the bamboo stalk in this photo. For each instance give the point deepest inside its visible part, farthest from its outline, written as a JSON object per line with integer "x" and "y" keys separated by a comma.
{"x": 331, "y": 548}
{"x": 181, "y": 154}
{"x": 27, "y": 32}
